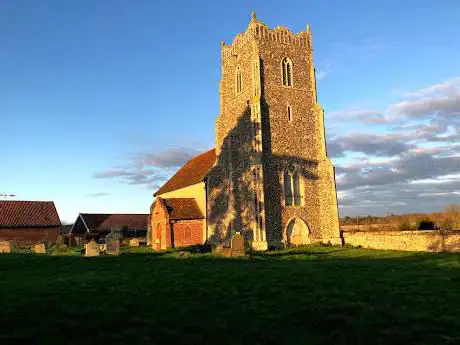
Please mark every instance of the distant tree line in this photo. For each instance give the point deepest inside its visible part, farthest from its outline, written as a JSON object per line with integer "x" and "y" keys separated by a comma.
{"x": 447, "y": 219}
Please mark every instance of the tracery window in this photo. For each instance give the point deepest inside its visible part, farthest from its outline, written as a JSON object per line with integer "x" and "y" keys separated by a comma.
{"x": 293, "y": 188}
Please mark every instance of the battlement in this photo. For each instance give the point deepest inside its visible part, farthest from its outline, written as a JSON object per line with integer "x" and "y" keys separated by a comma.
{"x": 257, "y": 30}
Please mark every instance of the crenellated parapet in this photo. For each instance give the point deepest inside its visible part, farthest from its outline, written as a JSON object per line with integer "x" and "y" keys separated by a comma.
{"x": 257, "y": 30}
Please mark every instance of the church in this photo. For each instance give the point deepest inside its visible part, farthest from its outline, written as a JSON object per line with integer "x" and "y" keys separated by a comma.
{"x": 268, "y": 177}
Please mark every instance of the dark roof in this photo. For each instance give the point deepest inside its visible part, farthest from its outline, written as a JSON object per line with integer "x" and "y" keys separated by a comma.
{"x": 194, "y": 171}
{"x": 65, "y": 228}
{"x": 15, "y": 213}
{"x": 183, "y": 208}
{"x": 105, "y": 222}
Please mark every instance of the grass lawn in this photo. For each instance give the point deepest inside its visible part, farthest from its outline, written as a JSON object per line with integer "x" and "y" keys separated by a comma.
{"x": 312, "y": 295}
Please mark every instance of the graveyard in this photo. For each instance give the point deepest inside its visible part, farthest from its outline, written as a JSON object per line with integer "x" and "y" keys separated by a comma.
{"x": 306, "y": 295}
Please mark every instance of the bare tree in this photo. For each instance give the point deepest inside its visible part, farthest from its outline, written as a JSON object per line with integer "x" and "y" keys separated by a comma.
{"x": 452, "y": 220}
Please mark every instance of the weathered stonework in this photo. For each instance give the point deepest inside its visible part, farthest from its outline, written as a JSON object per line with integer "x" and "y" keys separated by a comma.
{"x": 257, "y": 142}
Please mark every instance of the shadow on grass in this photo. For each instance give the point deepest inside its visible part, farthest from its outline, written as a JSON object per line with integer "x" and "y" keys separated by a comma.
{"x": 292, "y": 252}
{"x": 322, "y": 296}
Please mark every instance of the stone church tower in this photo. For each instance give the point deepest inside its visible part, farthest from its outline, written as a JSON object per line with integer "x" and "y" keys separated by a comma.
{"x": 272, "y": 180}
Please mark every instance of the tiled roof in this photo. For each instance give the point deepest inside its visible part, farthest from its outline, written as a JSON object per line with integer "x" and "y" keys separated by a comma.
{"x": 28, "y": 214}
{"x": 194, "y": 171}
{"x": 105, "y": 222}
{"x": 183, "y": 208}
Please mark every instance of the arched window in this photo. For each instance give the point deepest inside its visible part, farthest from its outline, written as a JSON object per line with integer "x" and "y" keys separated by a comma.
{"x": 293, "y": 188}
{"x": 286, "y": 69}
{"x": 296, "y": 183}
{"x": 287, "y": 189}
{"x": 239, "y": 80}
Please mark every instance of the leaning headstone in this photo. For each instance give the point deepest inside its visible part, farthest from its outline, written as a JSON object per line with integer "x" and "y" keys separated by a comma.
{"x": 39, "y": 248}
{"x": 237, "y": 245}
{"x": 5, "y": 247}
{"x": 134, "y": 242}
{"x": 113, "y": 245}
{"x": 92, "y": 248}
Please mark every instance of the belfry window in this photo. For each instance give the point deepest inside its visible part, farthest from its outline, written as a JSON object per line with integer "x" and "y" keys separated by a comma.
{"x": 286, "y": 69}
{"x": 293, "y": 188}
{"x": 239, "y": 81}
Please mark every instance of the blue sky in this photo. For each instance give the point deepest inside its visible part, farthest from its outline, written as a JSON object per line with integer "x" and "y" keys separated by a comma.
{"x": 101, "y": 101}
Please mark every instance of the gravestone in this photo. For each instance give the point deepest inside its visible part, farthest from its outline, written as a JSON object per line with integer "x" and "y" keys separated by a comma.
{"x": 59, "y": 242}
{"x": 92, "y": 248}
{"x": 5, "y": 247}
{"x": 39, "y": 248}
{"x": 102, "y": 247}
{"x": 113, "y": 245}
{"x": 134, "y": 242}
{"x": 237, "y": 245}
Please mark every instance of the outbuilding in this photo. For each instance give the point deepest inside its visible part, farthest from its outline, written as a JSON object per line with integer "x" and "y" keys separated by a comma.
{"x": 28, "y": 222}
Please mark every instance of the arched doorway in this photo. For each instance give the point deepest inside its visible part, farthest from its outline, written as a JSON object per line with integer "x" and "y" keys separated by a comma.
{"x": 297, "y": 232}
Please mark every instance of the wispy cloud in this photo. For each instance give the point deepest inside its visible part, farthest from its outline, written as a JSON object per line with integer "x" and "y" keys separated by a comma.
{"x": 434, "y": 102}
{"x": 169, "y": 158}
{"x": 364, "y": 115}
{"x": 149, "y": 168}
{"x": 370, "y": 144}
{"x": 420, "y": 142}
{"x": 97, "y": 195}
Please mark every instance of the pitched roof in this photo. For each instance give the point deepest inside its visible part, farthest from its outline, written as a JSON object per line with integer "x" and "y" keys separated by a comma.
{"x": 194, "y": 171}
{"x": 182, "y": 208}
{"x": 104, "y": 222}
{"x": 65, "y": 228}
{"x": 15, "y": 213}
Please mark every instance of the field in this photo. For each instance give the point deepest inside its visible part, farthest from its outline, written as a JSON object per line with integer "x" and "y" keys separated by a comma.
{"x": 311, "y": 295}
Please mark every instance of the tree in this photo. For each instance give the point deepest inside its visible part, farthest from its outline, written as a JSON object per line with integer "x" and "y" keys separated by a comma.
{"x": 425, "y": 224}
{"x": 452, "y": 213}
{"x": 405, "y": 226}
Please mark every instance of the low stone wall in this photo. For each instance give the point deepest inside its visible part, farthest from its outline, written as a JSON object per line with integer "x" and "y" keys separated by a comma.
{"x": 431, "y": 241}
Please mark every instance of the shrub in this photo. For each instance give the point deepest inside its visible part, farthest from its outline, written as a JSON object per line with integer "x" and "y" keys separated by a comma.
{"x": 405, "y": 226}
{"x": 448, "y": 224}
{"x": 425, "y": 224}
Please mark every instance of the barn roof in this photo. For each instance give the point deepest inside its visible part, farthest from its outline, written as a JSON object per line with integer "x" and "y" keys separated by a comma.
{"x": 105, "y": 222}
{"x": 182, "y": 209}
{"x": 194, "y": 171}
{"x": 16, "y": 214}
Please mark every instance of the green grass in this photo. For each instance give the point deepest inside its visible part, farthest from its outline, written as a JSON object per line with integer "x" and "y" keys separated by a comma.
{"x": 312, "y": 295}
